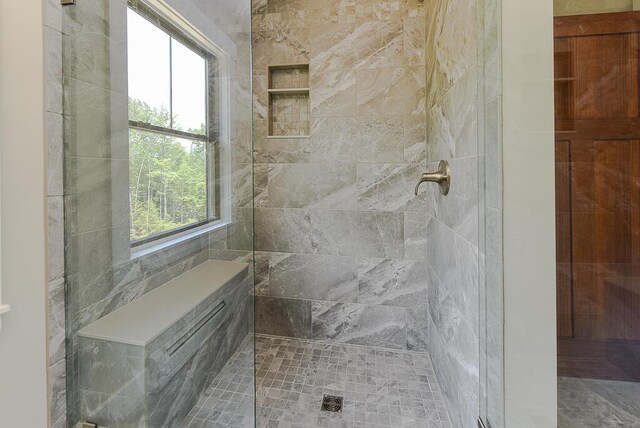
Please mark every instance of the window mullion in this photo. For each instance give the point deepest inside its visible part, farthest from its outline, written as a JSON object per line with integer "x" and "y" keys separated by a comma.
{"x": 167, "y": 131}
{"x": 171, "y": 81}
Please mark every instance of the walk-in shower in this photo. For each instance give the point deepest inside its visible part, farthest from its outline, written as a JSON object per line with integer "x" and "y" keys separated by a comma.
{"x": 245, "y": 243}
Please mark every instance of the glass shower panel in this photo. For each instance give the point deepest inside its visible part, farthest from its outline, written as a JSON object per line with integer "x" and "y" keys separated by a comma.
{"x": 491, "y": 290}
{"x": 158, "y": 212}
{"x": 597, "y": 147}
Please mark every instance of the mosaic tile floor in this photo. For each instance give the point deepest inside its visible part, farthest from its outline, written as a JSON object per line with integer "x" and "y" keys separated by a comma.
{"x": 585, "y": 403}
{"x": 381, "y": 388}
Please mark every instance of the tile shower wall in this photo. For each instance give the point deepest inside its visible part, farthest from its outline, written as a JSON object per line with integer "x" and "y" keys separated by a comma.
{"x": 56, "y": 364}
{"x": 99, "y": 274}
{"x": 340, "y": 237}
{"x": 453, "y": 75}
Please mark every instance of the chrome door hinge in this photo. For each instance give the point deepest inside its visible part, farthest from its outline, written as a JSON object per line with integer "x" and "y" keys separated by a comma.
{"x": 67, "y": 2}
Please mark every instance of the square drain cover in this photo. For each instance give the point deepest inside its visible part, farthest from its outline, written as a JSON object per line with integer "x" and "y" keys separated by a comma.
{"x": 332, "y": 403}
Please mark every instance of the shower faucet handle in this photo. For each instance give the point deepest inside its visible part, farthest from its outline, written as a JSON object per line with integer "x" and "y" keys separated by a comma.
{"x": 442, "y": 177}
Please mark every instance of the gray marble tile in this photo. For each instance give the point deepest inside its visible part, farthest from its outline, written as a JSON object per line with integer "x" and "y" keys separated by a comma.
{"x": 493, "y": 159}
{"x": 109, "y": 367}
{"x": 283, "y": 317}
{"x": 392, "y": 282}
{"x": 55, "y": 238}
{"x": 332, "y": 140}
{"x": 367, "y": 139}
{"x": 418, "y": 329}
{"x": 258, "y": 7}
{"x": 279, "y": 47}
{"x": 260, "y": 185}
{"x": 446, "y": 376}
{"x": 367, "y": 86}
{"x": 321, "y": 185}
{"x": 260, "y": 97}
{"x": 332, "y": 47}
{"x": 89, "y": 262}
{"x": 400, "y": 90}
{"x": 55, "y": 159}
{"x": 278, "y": 150}
{"x": 597, "y": 403}
{"x": 359, "y": 324}
{"x": 452, "y": 123}
{"x": 415, "y": 139}
{"x": 95, "y": 50}
{"x": 126, "y": 385}
{"x": 302, "y": 276}
{"x": 493, "y": 265}
{"x": 414, "y": 31}
{"x": 240, "y": 233}
{"x": 448, "y": 56}
{"x": 455, "y": 262}
{"x": 241, "y": 177}
{"x": 289, "y": 390}
{"x": 53, "y": 68}
{"x": 123, "y": 410}
{"x": 452, "y": 234}
{"x": 459, "y": 341}
{"x": 97, "y": 194}
{"x": 415, "y": 235}
{"x": 459, "y": 209}
{"x": 169, "y": 405}
{"x": 95, "y": 122}
{"x": 492, "y": 47}
{"x": 368, "y": 234}
{"x": 56, "y": 377}
{"x": 334, "y": 94}
{"x": 53, "y": 15}
{"x": 390, "y": 187}
{"x": 56, "y": 321}
{"x": 365, "y": 45}
{"x": 130, "y": 282}
{"x": 371, "y": 234}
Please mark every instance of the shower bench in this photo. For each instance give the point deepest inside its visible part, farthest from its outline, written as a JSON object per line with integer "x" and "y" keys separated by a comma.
{"x": 146, "y": 363}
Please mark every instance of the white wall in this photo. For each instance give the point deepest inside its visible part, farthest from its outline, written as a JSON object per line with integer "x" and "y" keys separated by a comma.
{"x": 529, "y": 214}
{"x": 23, "y": 382}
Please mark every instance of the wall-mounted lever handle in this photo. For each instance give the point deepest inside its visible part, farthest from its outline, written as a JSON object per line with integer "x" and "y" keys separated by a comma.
{"x": 442, "y": 177}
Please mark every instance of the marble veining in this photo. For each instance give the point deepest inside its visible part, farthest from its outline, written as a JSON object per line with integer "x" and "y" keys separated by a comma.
{"x": 337, "y": 226}
{"x": 100, "y": 274}
{"x": 452, "y": 240}
{"x": 358, "y": 324}
{"x": 597, "y": 403}
{"x": 393, "y": 282}
{"x": 382, "y": 387}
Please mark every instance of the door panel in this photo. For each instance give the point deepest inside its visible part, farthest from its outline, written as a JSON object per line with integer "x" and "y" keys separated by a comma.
{"x": 598, "y": 185}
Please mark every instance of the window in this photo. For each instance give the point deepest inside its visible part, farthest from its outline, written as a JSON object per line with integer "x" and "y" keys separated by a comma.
{"x": 172, "y": 122}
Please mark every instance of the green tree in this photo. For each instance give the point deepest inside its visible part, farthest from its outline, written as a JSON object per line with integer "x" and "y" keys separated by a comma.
{"x": 168, "y": 176}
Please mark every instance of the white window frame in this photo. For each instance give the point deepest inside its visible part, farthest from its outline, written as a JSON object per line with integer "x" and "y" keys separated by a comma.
{"x": 222, "y": 140}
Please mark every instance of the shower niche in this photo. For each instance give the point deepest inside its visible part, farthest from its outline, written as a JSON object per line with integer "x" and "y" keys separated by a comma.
{"x": 289, "y": 108}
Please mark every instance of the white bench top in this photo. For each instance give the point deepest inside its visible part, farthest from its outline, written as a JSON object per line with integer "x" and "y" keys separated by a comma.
{"x": 144, "y": 319}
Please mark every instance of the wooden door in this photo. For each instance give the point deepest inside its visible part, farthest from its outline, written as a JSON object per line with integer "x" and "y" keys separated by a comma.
{"x": 598, "y": 187}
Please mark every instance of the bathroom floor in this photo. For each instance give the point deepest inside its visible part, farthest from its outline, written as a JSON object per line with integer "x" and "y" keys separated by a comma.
{"x": 381, "y": 388}
{"x": 584, "y": 403}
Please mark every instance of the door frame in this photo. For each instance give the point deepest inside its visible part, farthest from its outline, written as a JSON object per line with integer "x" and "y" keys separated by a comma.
{"x": 529, "y": 214}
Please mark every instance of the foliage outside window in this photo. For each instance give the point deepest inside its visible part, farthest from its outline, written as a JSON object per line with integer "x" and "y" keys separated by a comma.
{"x": 171, "y": 151}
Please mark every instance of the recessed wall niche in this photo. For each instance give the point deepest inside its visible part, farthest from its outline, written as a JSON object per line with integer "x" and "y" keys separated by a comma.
{"x": 289, "y": 101}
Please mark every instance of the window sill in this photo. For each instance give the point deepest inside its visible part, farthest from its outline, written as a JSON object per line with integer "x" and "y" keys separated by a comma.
{"x": 162, "y": 244}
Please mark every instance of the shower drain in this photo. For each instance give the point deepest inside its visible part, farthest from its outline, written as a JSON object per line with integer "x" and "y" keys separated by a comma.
{"x": 332, "y": 403}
